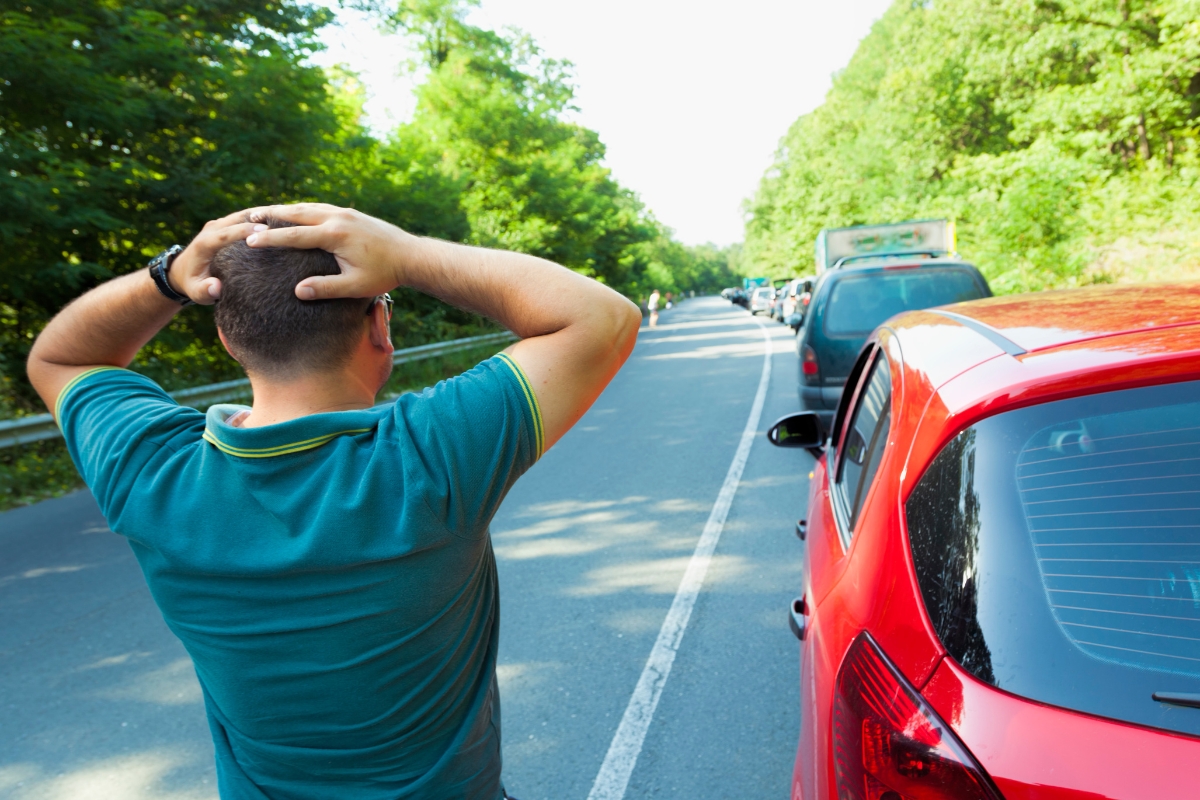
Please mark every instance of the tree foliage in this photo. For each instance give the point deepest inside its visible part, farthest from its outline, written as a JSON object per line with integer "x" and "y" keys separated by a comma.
{"x": 125, "y": 126}
{"x": 1048, "y": 128}
{"x": 492, "y": 109}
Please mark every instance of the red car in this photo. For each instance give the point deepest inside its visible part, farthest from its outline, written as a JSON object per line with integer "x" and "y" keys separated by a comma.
{"x": 1002, "y": 579}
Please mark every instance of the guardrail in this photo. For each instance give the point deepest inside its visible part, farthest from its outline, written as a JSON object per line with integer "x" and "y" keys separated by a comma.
{"x": 42, "y": 426}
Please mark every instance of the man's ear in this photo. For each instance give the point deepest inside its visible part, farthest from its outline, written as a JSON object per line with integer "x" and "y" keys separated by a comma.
{"x": 380, "y": 330}
{"x": 225, "y": 342}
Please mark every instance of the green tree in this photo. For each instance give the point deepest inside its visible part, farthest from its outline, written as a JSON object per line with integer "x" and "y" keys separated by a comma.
{"x": 1048, "y": 129}
{"x": 123, "y": 127}
{"x": 492, "y": 112}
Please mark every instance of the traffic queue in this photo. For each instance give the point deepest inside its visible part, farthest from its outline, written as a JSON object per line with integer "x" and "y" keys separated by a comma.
{"x": 998, "y": 592}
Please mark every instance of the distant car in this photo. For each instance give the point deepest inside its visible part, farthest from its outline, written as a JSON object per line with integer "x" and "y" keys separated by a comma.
{"x": 786, "y": 299}
{"x": 792, "y": 299}
{"x": 739, "y": 298}
{"x": 999, "y": 591}
{"x": 760, "y": 299}
{"x": 849, "y": 302}
{"x": 778, "y": 301}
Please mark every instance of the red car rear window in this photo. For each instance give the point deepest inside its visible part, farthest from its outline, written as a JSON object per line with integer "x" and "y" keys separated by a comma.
{"x": 1112, "y": 504}
{"x": 1058, "y": 552}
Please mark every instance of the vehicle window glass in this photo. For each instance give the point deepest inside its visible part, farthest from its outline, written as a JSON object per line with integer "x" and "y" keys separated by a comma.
{"x": 1057, "y": 549}
{"x": 839, "y": 419}
{"x": 864, "y": 441}
{"x": 858, "y": 305}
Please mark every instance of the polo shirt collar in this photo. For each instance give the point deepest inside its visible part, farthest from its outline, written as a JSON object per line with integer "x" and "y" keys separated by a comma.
{"x": 293, "y": 436}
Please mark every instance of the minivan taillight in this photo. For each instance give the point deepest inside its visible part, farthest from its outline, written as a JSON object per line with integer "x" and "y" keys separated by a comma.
{"x": 809, "y": 357}
{"x": 889, "y": 744}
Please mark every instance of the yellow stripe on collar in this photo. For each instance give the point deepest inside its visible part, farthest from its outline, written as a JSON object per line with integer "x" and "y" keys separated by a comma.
{"x": 278, "y": 450}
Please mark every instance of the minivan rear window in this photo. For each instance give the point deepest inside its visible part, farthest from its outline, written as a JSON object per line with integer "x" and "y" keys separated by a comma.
{"x": 858, "y": 304}
{"x": 1057, "y": 548}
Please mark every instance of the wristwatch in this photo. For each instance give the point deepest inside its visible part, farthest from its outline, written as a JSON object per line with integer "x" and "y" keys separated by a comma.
{"x": 160, "y": 266}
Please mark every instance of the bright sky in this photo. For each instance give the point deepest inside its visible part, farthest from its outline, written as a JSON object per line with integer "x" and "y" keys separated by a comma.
{"x": 690, "y": 99}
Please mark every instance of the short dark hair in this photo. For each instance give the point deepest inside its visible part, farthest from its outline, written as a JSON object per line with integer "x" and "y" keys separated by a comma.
{"x": 271, "y": 331}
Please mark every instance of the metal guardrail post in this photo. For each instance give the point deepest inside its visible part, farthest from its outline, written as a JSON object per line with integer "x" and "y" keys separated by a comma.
{"x": 39, "y": 427}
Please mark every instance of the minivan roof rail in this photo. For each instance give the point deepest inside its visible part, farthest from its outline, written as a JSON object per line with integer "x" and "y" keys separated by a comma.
{"x": 841, "y": 262}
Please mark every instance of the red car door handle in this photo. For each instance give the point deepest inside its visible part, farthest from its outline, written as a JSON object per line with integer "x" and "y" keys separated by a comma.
{"x": 796, "y": 617}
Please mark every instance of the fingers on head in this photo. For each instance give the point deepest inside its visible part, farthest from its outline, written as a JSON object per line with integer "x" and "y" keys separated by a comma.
{"x": 216, "y": 238}
{"x": 311, "y": 289}
{"x": 236, "y": 218}
{"x": 209, "y": 292}
{"x": 299, "y": 213}
{"x": 301, "y": 238}
{"x": 326, "y": 287}
{"x": 236, "y": 232}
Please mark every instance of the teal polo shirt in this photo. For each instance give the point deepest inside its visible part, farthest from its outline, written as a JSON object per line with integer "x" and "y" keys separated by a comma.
{"x": 332, "y": 577}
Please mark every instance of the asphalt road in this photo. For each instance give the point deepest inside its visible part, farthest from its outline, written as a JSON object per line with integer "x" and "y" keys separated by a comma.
{"x": 100, "y": 701}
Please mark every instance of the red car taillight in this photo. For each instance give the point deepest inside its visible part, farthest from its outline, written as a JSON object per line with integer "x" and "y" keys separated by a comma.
{"x": 889, "y": 744}
{"x": 809, "y": 365}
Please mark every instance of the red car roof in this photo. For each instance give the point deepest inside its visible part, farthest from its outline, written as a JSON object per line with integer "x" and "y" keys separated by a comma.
{"x": 1077, "y": 329}
{"x": 1051, "y": 319}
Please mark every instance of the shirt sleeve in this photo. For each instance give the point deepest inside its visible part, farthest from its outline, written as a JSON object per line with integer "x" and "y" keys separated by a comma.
{"x": 118, "y": 427}
{"x": 475, "y": 435}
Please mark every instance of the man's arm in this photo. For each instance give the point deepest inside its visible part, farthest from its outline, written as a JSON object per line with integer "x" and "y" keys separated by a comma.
{"x": 576, "y": 333}
{"x": 108, "y": 325}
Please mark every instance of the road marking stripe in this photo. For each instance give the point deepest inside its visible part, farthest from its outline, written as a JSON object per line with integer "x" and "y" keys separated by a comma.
{"x": 626, "y": 745}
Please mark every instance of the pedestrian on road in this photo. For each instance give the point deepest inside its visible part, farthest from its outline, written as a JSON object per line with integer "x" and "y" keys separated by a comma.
{"x": 326, "y": 561}
{"x": 652, "y": 305}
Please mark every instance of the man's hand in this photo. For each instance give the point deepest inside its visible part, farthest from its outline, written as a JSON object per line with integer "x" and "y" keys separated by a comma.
{"x": 109, "y": 324}
{"x": 190, "y": 274}
{"x": 369, "y": 251}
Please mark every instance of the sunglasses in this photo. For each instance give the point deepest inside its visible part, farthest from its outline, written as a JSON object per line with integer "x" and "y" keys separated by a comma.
{"x": 388, "y": 303}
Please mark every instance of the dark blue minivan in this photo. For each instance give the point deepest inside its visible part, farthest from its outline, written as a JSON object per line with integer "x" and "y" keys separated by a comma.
{"x": 849, "y": 302}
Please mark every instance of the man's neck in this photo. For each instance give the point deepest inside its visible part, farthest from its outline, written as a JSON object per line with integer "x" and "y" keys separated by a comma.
{"x": 280, "y": 401}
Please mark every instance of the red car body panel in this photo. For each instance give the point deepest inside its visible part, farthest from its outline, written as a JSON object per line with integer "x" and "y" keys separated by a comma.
{"x": 1038, "y": 752}
{"x": 948, "y": 373}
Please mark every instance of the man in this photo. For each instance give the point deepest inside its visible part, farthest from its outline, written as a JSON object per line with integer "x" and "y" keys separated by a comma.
{"x": 325, "y": 561}
{"x": 652, "y": 306}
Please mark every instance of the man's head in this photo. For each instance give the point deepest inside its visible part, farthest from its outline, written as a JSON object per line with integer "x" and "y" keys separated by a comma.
{"x": 271, "y": 332}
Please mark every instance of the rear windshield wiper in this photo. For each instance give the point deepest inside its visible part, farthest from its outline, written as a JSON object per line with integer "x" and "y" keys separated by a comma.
{"x": 1178, "y": 699}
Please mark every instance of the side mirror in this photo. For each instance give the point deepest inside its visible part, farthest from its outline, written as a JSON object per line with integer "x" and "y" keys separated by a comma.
{"x": 797, "y": 430}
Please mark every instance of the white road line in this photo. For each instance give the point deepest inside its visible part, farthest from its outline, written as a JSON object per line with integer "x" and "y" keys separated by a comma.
{"x": 626, "y": 745}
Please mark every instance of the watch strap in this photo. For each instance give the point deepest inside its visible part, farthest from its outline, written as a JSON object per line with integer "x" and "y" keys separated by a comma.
{"x": 160, "y": 267}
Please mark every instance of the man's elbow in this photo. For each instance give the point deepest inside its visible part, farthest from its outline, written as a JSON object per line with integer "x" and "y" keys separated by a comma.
{"x": 608, "y": 332}
{"x": 627, "y": 323}
{"x": 35, "y": 365}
